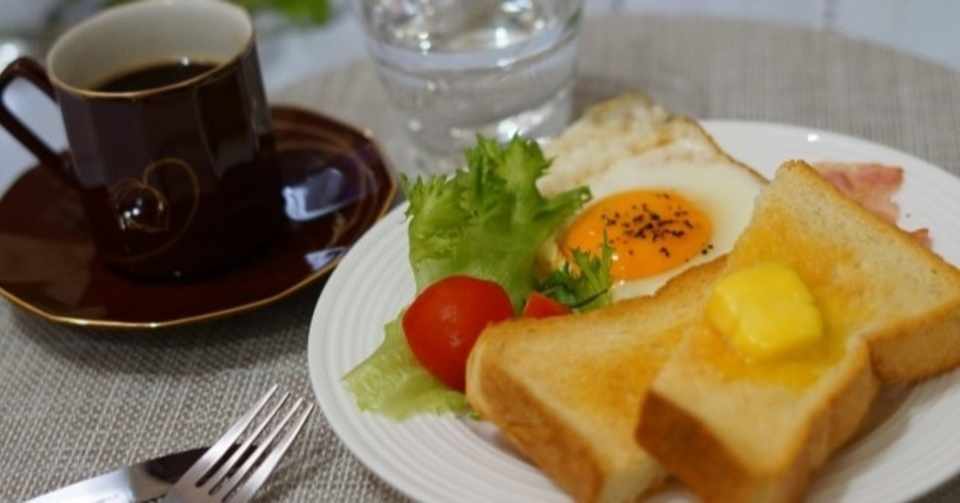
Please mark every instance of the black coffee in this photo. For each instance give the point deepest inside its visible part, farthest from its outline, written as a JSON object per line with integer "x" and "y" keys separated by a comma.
{"x": 153, "y": 76}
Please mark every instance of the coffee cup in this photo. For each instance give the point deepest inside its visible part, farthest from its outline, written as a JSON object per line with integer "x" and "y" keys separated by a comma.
{"x": 169, "y": 133}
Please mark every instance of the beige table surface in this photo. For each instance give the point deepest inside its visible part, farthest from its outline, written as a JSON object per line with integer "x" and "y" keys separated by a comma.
{"x": 75, "y": 403}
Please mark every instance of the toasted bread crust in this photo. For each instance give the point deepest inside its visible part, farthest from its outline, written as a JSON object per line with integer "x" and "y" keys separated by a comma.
{"x": 498, "y": 390}
{"x": 909, "y": 334}
{"x": 918, "y": 349}
{"x": 560, "y": 451}
{"x": 690, "y": 450}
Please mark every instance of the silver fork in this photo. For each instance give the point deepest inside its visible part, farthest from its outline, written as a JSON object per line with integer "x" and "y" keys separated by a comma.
{"x": 228, "y": 472}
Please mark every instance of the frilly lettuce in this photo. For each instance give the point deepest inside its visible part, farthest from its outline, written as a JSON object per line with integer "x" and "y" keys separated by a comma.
{"x": 486, "y": 221}
{"x": 391, "y": 382}
{"x": 584, "y": 286}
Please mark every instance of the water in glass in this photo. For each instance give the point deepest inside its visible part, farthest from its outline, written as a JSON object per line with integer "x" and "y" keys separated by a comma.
{"x": 455, "y": 68}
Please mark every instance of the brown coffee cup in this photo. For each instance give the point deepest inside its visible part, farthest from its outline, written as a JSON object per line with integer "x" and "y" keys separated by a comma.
{"x": 169, "y": 133}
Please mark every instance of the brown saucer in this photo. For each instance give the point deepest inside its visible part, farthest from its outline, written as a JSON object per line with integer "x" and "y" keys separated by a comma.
{"x": 336, "y": 185}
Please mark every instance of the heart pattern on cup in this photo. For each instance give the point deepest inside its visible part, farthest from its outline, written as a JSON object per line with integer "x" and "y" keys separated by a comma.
{"x": 141, "y": 206}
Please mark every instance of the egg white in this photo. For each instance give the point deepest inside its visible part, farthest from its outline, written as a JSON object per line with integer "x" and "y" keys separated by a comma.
{"x": 724, "y": 191}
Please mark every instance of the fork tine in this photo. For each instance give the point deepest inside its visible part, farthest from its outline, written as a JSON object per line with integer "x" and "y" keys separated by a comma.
{"x": 209, "y": 458}
{"x": 246, "y": 491}
{"x": 221, "y": 473}
{"x": 265, "y": 443}
{"x": 232, "y": 483}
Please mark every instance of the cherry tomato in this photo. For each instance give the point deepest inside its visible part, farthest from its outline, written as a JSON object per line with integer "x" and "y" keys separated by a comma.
{"x": 540, "y": 306}
{"x": 446, "y": 319}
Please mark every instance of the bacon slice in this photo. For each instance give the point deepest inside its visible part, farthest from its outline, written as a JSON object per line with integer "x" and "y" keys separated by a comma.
{"x": 872, "y": 185}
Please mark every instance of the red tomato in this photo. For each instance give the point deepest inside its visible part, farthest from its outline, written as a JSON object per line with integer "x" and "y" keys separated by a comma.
{"x": 540, "y": 306}
{"x": 446, "y": 319}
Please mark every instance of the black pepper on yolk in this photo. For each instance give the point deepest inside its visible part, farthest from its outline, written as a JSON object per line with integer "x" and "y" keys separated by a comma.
{"x": 650, "y": 232}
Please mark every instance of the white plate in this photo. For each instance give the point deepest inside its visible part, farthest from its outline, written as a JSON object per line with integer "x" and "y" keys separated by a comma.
{"x": 445, "y": 459}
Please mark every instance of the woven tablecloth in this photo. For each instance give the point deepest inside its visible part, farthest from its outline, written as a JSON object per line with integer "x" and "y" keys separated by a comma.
{"x": 75, "y": 403}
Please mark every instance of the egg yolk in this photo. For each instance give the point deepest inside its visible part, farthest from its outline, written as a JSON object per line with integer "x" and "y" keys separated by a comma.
{"x": 650, "y": 232}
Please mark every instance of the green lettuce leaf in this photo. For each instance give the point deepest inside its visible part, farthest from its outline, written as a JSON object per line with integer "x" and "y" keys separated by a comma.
{"x": 585, "y": 286}
{"x": 487, "y": 220}
{"x": 391, "y": 382}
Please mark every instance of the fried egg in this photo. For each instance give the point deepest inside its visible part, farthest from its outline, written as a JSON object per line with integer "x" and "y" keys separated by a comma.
{"x": 665, "y": 196}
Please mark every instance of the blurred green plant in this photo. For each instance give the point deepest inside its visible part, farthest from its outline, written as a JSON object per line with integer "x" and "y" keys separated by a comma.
{"x": 304, "y": 11}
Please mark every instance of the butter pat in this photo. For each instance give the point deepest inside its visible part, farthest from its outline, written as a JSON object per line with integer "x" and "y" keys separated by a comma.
{"x": 765, "y": 312}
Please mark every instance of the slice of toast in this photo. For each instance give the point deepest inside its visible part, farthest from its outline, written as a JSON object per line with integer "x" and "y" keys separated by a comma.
{"x": 565, "y": 391}
{"x": 739, "y": 432}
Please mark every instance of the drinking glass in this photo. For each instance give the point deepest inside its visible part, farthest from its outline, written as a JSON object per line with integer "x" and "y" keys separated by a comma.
{"x": 458, "y": 68}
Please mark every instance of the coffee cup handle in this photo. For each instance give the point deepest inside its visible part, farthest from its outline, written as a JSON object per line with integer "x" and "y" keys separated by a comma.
{"x": 32, "y": 72}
